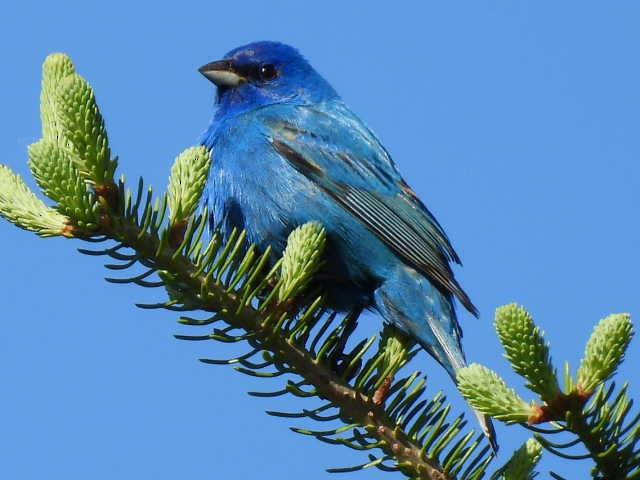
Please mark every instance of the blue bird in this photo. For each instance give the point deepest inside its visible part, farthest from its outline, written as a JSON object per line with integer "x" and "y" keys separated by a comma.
{"x": 286, "y": 151}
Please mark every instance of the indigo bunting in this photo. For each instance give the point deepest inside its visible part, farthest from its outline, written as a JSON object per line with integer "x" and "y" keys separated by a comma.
{"x": 286, "y": 151}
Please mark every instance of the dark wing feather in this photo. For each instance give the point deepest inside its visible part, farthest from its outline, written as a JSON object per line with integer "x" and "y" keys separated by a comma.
{"x": 374, "y": 194}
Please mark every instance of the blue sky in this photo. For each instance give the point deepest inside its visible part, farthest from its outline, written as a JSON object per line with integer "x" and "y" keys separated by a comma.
{"x": 516, "y": 122}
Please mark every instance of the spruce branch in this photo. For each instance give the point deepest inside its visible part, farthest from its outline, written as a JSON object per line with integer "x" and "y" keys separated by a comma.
{"x": 258, "y": 322}
{"x": 589, "y": 412}
{"x": 241, "y": 295}
{"x": 233, "y": 284}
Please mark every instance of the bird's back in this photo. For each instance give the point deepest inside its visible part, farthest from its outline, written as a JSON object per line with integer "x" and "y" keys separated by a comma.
{"x": 253, "y": 186}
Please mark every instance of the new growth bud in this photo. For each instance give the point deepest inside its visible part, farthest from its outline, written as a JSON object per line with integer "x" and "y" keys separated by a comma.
{"x": 487, "y": 392}
{"x": 605, "y": 351}
{"x": 526, "y": 350}
{"x": 301, "y": 259}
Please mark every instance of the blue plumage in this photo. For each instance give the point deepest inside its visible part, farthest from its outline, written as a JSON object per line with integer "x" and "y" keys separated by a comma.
{"x": 287, "y": 150}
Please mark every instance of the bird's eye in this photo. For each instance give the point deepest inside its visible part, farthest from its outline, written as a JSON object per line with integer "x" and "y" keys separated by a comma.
{"x": 267, "y": 72}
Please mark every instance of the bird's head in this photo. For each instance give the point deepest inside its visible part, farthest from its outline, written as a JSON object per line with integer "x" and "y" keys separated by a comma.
{"x": 265, "y": 73}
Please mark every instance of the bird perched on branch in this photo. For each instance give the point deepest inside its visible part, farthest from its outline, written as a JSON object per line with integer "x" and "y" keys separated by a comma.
{"x": 286, "y": 151}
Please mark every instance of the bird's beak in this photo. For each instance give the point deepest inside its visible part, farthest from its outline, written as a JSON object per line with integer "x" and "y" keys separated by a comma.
{"x": 222, "y": 73}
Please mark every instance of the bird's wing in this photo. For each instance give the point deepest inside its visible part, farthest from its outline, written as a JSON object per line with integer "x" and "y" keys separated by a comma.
{"x": 338, "y": 153}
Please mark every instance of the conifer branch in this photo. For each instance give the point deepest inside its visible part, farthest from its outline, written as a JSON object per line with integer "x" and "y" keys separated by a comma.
{"x": 241, "y": 295}
{"x": 586, "y": 408}
{"x": 263, "y": 301}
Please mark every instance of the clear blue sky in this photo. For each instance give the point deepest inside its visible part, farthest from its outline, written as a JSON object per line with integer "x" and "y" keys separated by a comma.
{"x": 517, "y": 123}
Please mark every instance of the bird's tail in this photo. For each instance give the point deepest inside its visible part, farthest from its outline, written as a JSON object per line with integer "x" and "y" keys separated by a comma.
{"x": 410, "y": 302}
{"x": 455, "y": 361}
